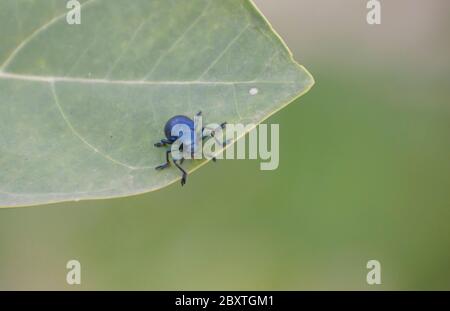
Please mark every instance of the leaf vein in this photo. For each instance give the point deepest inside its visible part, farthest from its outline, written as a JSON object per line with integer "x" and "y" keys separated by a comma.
{"x": 130, "y": 42}
{"x": 223, "y": 53}
{"x": 81, "y": 138}
{"x": 175, "y": 43}
{"x": 35, "y": 33}
{"x": 50, "y": 79}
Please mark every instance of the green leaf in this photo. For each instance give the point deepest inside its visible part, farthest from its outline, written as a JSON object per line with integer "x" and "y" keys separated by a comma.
{"x": 82, "y": 105}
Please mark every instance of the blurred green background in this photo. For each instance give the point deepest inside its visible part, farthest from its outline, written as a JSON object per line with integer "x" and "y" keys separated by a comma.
{"x": 364, "y": 174}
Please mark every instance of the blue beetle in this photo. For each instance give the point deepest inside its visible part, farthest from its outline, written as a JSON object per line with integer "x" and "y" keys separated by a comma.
{"x": 186, "y": 142}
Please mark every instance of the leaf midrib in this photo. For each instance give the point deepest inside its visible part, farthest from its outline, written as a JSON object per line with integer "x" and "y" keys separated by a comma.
{"x": 50, "y": 79}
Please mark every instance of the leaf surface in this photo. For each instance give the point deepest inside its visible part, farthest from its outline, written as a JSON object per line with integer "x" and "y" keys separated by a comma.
{"x": 82, "y": 105}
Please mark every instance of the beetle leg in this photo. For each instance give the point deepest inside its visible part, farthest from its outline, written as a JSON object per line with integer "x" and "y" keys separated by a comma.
{"x": 163, "y": 166}
{"x": 211, "y": 156}
{"x": 226, "y": 142}
{"x": 184, "y": 176}
{"x": 163, "y": 143}
{"x": 222, "y": 143}
{"x": 213, "y": 130}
